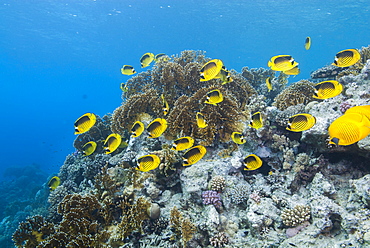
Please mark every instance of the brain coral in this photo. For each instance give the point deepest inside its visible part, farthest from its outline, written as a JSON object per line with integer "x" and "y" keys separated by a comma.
{"x": 299, "y": 92}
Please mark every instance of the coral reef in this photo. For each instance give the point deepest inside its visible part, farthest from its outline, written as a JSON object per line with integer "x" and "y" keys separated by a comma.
{"x": 304, "y": 195}
{"x": 239, "y": 193}
{"x": 178, "y": 81}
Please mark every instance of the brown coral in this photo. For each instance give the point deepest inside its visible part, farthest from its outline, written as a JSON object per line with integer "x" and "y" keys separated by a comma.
{"x": 82, "y": 225}
{"x": 32, "y": 232}
{"x": 178, "y": 81}
{"x": 182, "y": 227}
{"x": 299, "y": 92}
{"x": 124, "y": 116}
{"x": 222, "y": 119}
{"x": 132, "y": 217}
{"x": 98, "y": 133}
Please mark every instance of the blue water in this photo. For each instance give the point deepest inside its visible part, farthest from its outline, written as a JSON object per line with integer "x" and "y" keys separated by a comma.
{"x": 61, "y": 59}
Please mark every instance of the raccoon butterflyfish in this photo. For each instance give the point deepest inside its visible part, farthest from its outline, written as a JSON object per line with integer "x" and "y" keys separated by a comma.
{"x": 137, "y": 129}
{"x": 214, "y": 97}
{"x": 301, "y": 122}
{"x": 165, "y": 106}
{"x": 124, "y": 87}
{"x": 53, "y": 183}
{"x": 123, "y": 144}
{"x": 364, "y": 110}
{"x": 269, "y": 84}
{"x": 161, "y": 57}
{"x": 252, "y": 162}
{"x": 146, "y": 59}
{"x": 294, "y": 71}
{"x": 327, "y": 89}
{"x": 210, "y": 69}
{"x": 224, "y": 75}
{"x": 201, "y": 122}
{"x": 193, "y": 155}
{"x": 346, "y": 58}
{"x": 182, "y": 143}
{"x": 282, "y": 63}
{"x": 112, "y": 142}
{"x": 156, "y": 127}
{"x": 348, "y": 129}
{"x": 256, "y": 121}
{"x": 89, "y": 148}
{"x": 307, "y": 43}
{"x": 238, "y": 138}
{"x": 148, "y": 163}
{"x": 84, "y": 123}
{"x": 128, "y": 70}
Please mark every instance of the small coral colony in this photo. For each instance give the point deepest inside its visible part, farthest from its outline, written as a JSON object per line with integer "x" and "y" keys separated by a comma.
{"x": 172, "y": 115}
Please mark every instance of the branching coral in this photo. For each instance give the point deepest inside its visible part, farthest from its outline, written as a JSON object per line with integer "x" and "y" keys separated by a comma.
{"x": 218, "y": 183}
{"x": 212, "y": 197}
{"x": 239, "y": 193}
{"x": 219, "y": 240}
{"x": 329, "y": 71}
{"x": 297, "y": 215}
{"x": 300, "y": 92}
{"x": 182, "y": 227}
{"x": 132, "y": 217}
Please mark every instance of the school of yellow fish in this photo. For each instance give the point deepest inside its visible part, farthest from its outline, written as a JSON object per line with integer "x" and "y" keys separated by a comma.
{"x": 348, "y": 129}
